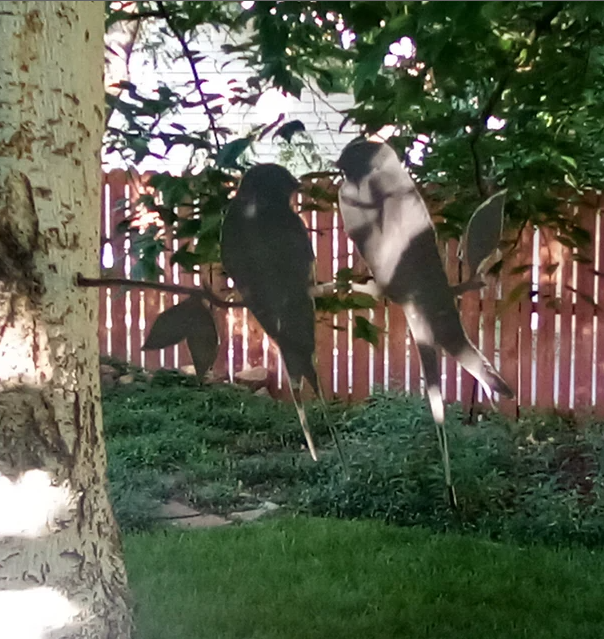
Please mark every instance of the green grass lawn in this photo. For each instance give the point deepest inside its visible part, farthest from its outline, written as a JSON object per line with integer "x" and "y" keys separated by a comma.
{"x": 305, "y": 578}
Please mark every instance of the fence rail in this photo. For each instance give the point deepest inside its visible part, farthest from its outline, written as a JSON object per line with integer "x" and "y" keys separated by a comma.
{"x": 541, "y": 322}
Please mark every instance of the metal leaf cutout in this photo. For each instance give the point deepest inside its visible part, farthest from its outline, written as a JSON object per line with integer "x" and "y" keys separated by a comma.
{"x": 203, "y": 346}
{"x": 483, "y": 233}
{"x": 192, "y": 321}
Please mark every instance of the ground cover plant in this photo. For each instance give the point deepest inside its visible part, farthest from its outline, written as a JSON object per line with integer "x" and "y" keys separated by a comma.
{"x": 219, "y": 448}
{"x": 306, "y": 578}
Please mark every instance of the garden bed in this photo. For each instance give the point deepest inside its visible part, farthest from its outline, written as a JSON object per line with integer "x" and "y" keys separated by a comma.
{"x": 220, "y": 448}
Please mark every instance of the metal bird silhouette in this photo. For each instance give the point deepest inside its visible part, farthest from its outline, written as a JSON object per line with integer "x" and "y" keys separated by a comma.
{"x": 389, "y": 223}
{"x": 266, "y": 250}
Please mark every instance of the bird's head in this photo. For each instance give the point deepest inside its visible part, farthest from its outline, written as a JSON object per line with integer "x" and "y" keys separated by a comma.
{"x": 268, "y": 180}
{"x": 360, "y": 157}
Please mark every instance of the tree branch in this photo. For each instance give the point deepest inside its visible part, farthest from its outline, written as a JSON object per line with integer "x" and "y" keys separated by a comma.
{"x": 203, "y": 291}
{"x": 165, "y": 14}
{"x": 139, "y": 16}
{"x": 477, "y": 131}
{"x": 320, "y": 290}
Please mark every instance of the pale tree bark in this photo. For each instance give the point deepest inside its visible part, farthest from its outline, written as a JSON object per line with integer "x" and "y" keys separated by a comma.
{"x": 61, "y": 570}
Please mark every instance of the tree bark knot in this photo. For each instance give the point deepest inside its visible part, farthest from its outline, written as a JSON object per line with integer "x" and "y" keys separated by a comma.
{"x": 18, "y": 235}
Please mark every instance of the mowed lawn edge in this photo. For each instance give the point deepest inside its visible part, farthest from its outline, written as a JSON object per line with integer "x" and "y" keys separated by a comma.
{"x": 302, "y": 577}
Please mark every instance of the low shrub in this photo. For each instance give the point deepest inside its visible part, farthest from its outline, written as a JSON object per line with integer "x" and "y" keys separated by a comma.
{"x": 538, "y": 479}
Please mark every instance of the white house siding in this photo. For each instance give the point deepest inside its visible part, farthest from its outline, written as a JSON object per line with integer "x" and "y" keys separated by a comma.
{"x": 322, "y": 115}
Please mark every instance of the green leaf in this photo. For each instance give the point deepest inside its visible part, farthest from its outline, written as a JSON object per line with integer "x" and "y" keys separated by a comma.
{"x": 367, "y": 71}
{"x": 345, "y": 276}
{"x": 187, "y": 259}
{"x": 175, "y": 190}
{"x": 228, "y": 155}
{"x": 550, "y": 269}
{"x": 188, "y": 227}
{"x": 587, "y": 298}
{"x": 146, "y": 270}
{"x": 210, "y": 225}
{"x": 208, "y": 249}
{"x": 330, "y": 304}
{"x": 361, "y": 300}
{"x": 147, "y": 247}
{"x": 289, "y": 129}
{"x": 523, "y": 268}
{"x": 364, "y": 329}
{"x": 570, "y": 161}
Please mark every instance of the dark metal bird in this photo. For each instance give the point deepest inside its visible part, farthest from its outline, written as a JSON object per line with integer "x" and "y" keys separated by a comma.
{"x": 267, "y": 252}
{"x": 389, "y": 223}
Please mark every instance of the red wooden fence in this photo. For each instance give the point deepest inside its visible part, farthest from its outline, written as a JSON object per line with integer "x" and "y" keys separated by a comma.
{"x": 548, "y": 342}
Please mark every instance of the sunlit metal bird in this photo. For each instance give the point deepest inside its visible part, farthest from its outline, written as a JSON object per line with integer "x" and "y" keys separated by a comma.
{"x": 268, "y": 254}
{"x": 388, "y": 221}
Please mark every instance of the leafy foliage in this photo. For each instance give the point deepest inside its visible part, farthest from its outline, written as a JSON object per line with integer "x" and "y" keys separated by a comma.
{"x": 537, "y": 480}
{"x": 535, "y": 66}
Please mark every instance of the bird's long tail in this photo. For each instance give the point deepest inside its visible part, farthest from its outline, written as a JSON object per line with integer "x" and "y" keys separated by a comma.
{"x": 309, "y": 372}
{"x": 484, "y": 372}
{"x": 424, "y": 340}
{"x": 295, "y": 386}
{"x": 429, "y": 359}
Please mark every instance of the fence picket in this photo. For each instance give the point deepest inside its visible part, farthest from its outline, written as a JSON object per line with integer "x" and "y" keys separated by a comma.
{"x": 450, "y": 364}
{"x": 600, "y": 310}
{"x": 117, "y": 193}
{"x": 470, "y": 316}
{"x": 324, "y": 272}
{"x": 546, "y": 336}
{"x": 523, "y": 328}
{"x": 342, "y": 321}
{"x": 566, "y": 318}
{"x": 397, "y": 346}
{"x": 379, "y": 319}
{"x": 360, "y": 364}
{"x": 584, "y": 314}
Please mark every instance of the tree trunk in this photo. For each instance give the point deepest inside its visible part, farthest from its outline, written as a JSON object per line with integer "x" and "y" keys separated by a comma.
{"x": 61, "y": 570}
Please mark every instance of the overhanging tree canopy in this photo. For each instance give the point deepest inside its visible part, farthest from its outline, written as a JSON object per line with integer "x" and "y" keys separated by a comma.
{"x": 499, "y": 94}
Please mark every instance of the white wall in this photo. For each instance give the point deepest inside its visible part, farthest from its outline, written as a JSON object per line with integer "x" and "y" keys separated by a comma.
{"x": 320, "y": 114}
